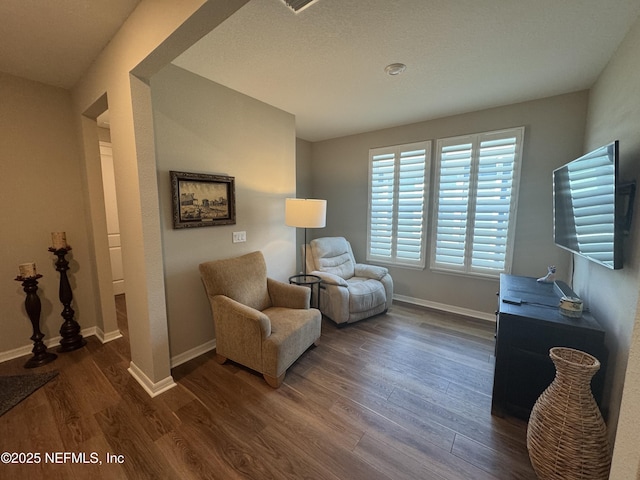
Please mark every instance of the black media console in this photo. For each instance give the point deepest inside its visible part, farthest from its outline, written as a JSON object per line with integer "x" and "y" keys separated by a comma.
{"x": 528, "y": 325}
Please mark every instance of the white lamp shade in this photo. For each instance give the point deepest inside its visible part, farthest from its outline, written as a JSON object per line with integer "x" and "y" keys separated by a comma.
{"x": 305, "y": 212}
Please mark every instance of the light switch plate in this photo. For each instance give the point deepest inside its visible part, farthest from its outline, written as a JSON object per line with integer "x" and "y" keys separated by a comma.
{"x": 239, "y": 237}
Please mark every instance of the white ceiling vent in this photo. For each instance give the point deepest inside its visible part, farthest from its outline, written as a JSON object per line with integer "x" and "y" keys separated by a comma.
{"x": 299, "y": 5}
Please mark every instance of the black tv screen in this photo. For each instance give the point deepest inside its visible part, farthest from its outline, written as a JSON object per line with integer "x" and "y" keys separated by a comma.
{"x": 584, "y": 207}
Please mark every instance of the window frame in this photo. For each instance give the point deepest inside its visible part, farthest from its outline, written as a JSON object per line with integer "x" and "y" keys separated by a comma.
{"x": 397, "y": 151}
{"x": 476, "y": 140}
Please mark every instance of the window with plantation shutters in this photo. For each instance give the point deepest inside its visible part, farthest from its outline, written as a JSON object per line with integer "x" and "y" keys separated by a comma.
{"x": 477, "y": 180}
{"x": 398, "y": 182}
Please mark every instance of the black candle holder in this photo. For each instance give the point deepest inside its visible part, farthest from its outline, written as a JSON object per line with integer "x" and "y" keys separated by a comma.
{"x": 70, "y": 329}
{"x": 32, "y": 304}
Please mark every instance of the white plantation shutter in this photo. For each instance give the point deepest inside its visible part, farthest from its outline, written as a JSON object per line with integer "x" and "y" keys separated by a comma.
{"x": 381, "y": 205}
{"x": 397, "y": 200}
{"x": 453, "y": 204}
{"x": 477, "y": 180}
{"x": 493, "y": 203}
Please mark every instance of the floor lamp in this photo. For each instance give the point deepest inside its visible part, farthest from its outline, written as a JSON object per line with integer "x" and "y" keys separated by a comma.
{"x": 305, "y": 213}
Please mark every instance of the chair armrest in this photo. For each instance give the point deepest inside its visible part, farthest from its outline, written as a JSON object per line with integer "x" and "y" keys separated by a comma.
{"x": 288, "y": 295}
{"x": 370, "y": 271}
{"x": 234, "y": 317}
{"x": 330, "y": 278}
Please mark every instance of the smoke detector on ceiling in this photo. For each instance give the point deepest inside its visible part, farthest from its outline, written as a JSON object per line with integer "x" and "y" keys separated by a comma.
{"x": 299, "y": 5}
{"x": 395, "y": 69}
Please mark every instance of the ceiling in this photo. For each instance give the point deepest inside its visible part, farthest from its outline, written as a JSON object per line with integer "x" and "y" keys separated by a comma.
{"x": 326, "y": 63}
{"x": 55, "y": 42}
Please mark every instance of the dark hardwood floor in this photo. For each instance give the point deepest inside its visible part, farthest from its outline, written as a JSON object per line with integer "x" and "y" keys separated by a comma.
{"x": 406, "y": 395}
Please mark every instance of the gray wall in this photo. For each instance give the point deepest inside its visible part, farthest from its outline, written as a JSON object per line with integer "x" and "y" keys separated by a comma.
{"x": 42, "y": 191}
{"x": 203, "y": 127}
{"x": 614, "y": 113}
{"x": 554, "y": 134}
{"x": 304, "y": 189}
{"x": 304, "y": 181}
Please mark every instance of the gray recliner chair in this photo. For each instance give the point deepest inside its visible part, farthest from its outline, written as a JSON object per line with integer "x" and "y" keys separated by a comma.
{"x": 349, "y": 291}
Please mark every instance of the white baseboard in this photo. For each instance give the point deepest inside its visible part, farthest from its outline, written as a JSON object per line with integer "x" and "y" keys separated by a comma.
{"x": 443, "y": 307}
{"x": 152, "y": 388}
{"x": 52, "y": 343}
{"x": 193, "y": 353}
{"x": 109, "y": 336}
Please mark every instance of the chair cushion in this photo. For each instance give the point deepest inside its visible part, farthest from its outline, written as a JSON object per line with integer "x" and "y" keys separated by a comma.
{"x": 333, "y": 255}
{"x": 292, "y": 332}
{"x": 365, "y": 294}
{"x": 244, "y": 279}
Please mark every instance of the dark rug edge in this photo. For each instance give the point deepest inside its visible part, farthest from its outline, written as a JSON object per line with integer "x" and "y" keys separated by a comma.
{"x": 15, "y": 388}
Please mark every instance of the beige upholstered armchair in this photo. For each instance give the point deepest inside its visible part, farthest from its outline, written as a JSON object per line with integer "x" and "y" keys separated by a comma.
{"x": 350, "y": 291}
{"x": 260, "y": 323}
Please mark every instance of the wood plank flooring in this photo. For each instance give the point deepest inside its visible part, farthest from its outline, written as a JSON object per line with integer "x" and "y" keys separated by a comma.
{"x": 406, "y": 395}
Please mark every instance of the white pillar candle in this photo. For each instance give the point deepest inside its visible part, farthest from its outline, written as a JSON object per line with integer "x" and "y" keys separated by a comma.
{"x": 27, "y": 270}
{"x": 59, "y": 240}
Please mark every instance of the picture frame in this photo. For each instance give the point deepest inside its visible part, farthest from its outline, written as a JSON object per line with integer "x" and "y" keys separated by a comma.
{"x": 202, "y": 200}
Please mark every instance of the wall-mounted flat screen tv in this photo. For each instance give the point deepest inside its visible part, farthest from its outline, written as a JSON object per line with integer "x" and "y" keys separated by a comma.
{"x": 585, "y": 209}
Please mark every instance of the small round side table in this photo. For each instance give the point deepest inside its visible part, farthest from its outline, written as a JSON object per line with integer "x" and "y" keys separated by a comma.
{"x": 310, "y": 281}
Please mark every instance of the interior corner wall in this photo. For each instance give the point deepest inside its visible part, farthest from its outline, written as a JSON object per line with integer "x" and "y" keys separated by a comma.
{"x": 554, "y": 134}
{"x": 41, "y": 192}
{"x": 612, "y": 295}
{"x": 304, "y": 181}
{"x": 304, "y": 189}
{"x": 204, "y": 127}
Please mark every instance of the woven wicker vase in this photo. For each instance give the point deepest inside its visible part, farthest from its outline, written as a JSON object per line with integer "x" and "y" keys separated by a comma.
{"x": 566, "y": 435}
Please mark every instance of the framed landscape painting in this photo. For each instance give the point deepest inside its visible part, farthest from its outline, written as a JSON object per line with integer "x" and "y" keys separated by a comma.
{"x": 202, "y": 200}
